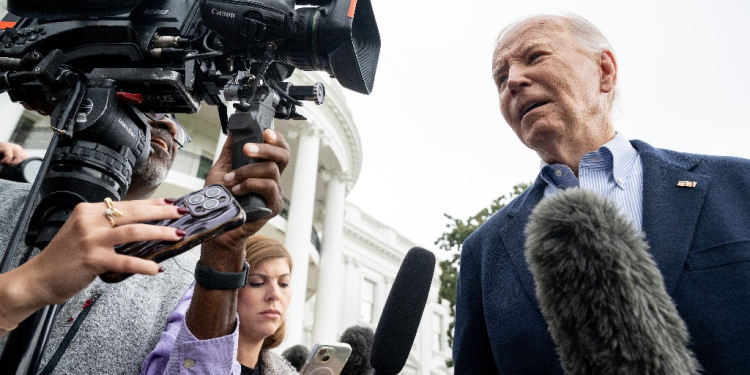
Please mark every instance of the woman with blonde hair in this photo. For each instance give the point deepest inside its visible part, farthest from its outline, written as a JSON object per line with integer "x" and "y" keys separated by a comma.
{"x": 262, "y": 305}
{"x": 261, "y": 311}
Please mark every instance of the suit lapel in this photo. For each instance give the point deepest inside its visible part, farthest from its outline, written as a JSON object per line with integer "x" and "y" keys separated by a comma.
{"x": 670, "y": 212}
{"x": 670, "y": 215}
{"x": 514, "y": 238}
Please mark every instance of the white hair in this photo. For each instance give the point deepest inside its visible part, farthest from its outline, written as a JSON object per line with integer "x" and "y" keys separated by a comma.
{"x": 591, "y": 38}
{"x": 586, "y": 33}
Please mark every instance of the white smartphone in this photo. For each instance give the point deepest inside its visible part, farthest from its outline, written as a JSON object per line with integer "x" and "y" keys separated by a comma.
{"x": 326, "y": 358}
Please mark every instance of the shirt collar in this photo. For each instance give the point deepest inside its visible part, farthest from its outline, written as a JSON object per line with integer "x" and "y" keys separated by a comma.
{"x": 617, "y": 155}
{"x": 624, "y": 157}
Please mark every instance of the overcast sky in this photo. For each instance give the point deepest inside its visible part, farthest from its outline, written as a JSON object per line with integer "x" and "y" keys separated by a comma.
{"x": 434, "y": 140}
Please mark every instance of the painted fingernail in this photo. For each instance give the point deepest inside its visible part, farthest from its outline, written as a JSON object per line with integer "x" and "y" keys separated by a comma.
{"x": 229, "y": 177}
{"x": 161, "y": 269}
{"x": 183, "y": 210}
{"x": 236, "y": 189}
{"x": 252, "y": 148}
{"x": 272, "y": 134}
{"x": 170, "y": 200}
{"x": 180, "y": 232}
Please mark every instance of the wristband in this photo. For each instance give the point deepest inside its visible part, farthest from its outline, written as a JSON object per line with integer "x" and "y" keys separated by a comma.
{"x": 210, "y": 278}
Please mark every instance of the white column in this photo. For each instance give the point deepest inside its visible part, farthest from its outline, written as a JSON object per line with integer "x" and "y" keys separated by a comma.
{"x": 351, "y": 296}
{"x": 11, "y": 113}
{"x": 329, "y": 303}
{"x": 298, "y": 229}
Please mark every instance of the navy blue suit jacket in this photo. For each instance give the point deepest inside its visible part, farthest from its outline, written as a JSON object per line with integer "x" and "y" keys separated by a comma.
{"x": 699, "y": 238}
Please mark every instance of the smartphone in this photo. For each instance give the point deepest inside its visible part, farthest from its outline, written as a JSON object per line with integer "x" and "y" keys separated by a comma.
{"x": 213, "y": 211}
{"x": 326, "y": 358}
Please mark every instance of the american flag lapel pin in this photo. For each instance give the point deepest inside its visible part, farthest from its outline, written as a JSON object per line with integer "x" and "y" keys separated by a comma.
{"x": 689, "y": 184}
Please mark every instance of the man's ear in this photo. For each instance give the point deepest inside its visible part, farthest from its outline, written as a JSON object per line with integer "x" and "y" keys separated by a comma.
{"x": 608, "y": 66}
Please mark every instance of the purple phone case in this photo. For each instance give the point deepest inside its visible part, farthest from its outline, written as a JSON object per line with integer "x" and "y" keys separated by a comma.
{"x": 213, "y": 211}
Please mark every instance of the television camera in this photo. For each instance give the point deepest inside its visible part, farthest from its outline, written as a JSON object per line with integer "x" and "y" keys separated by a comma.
{"x": 96, "y": 66}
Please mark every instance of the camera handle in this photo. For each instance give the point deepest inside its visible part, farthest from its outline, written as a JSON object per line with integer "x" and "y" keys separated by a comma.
{"x": 247, "y": 125}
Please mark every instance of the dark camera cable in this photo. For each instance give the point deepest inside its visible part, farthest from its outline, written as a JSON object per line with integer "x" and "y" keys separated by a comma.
{"x": 211, "y": 52}
{"x": 281, "y": 92}
{"x": 202, "y": 34}
{"x": 265, "y": 62}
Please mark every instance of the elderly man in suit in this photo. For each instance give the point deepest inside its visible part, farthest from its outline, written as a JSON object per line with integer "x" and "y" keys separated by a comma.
{"x": 556, "y": 78}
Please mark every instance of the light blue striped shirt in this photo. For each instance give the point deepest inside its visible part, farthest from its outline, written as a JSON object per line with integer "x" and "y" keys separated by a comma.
{"x": 614, "y": 171}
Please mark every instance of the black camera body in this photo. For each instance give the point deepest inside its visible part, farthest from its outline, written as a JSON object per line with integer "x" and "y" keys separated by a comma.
{"x": 169, "y": 56}
{"x": 146, "y": 50}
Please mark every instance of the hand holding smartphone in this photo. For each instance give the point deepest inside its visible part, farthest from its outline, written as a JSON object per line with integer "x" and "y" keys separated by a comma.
{"x": 213, "y": 211}
{"x": 326, "y": 358}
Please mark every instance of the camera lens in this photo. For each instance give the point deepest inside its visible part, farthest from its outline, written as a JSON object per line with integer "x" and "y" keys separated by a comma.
{"x": 325, "y": 358}
{"x": 212, "y": 192}
{"x": 195, "y": 199}
{"x": 211, "y": 204}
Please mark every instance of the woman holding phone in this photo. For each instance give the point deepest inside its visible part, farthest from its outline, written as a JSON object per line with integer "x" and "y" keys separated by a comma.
{"x": 261, "y": 309}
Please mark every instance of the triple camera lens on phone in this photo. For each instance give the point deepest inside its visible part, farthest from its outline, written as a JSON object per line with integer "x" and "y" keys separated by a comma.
{"x": 208, "y": 198}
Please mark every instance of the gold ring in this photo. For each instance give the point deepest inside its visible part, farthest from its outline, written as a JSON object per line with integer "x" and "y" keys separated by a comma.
{"x": 111, "y": 211}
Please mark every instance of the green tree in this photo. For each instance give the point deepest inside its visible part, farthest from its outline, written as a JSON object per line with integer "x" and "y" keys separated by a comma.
{"x": 452, "y": 240}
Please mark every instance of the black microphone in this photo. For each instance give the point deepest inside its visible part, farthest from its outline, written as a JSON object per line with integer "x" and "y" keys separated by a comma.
{"x": 360, "y": 339}
{"x": 601, "y": 292}
{"x": 296, "y": 356}
{"x": 402, "y": 312}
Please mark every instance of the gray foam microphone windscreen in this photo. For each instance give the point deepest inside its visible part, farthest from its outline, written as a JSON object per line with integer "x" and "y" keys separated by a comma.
{"x": 601, "y": 292}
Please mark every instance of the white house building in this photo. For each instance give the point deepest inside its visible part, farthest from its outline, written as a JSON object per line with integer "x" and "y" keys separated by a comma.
{"x": 345, "y": 261}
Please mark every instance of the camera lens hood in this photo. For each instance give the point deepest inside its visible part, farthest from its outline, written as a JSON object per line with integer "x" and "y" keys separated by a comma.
{"x": 353, "y": 44}
{"x": 341, "y": 38}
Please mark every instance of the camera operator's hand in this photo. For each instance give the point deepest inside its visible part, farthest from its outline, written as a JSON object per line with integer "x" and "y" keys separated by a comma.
{"x": 262, "y": 178}
{"x": 81, "y": 250}
{"x": 12, "y": 153}
{"x": 212, "y": 313}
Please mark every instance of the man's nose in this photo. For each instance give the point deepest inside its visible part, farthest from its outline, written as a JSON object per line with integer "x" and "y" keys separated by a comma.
{"x": 517, "y": 78}
{"x": 165, "y": 124}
